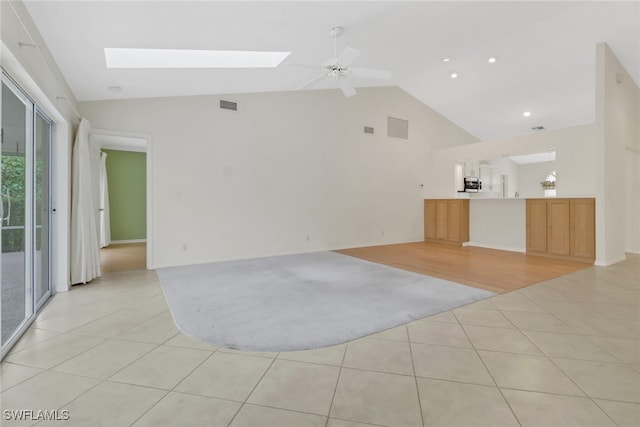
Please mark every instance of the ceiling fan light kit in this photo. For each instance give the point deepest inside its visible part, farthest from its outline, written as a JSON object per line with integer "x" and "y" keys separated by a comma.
{"x": 338, "y": 68}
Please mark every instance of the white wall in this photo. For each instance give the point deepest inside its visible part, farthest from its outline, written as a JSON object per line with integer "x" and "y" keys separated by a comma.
{"x": 617, "y": 134}
{"x": 35, "y": 72}
{"x": 531, "y": 175}
{"x": 632, "y": 196}
{"x": 288, "y": 172}
{"x": 498, "y": 224}
{"x": 575, "y": 160}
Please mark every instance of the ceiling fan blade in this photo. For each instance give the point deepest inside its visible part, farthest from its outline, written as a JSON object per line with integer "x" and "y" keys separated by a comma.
{"x": 347, "y": 56}
{"x": 346, "y": 87}
{"x": 371, "y": 73}
{"x": 312, "y": 82}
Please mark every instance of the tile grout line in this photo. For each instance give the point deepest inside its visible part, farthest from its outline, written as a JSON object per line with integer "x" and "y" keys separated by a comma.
{"x": 335, "y": 389}
{"x": 61, "y": 334}
{"x": 297, "y": 411}
{"x": 50, "y": 368}
{"x": 69, "y": 332}
{"x": 588, "y": 396}
{"x": 561, "y": 370}
{"x": 168, "y": 391}
{"x": 489, "y": 372}
{"x": 22, "y": 382}
{"x": 253, "y": 389}
{"x": 588, "y": 337}
{"x": 13, "y": 352}
{"x": 415, "y": 377}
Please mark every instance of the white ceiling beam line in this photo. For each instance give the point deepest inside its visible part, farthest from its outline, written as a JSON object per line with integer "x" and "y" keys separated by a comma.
{"x": 185, "y": 58}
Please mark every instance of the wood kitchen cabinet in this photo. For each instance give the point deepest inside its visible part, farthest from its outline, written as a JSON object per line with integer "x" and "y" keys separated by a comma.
{"x": 561, "y": 228}
{"x": 446, "y": 220}
{"x": 583, "y": 220}
{"x": 536, "y": 225}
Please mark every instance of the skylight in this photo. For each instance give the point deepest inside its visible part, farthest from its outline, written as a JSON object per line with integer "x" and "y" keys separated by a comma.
{"x": 526, "y": 159}
{"x": 184, "y": 58}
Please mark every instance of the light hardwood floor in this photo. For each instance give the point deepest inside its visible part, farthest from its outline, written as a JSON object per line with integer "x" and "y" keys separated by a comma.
{"x": 124, "y": 257}
{"x": 490, "y": 269}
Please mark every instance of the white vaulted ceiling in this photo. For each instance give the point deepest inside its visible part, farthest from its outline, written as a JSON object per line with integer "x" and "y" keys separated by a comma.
{"x": 545, "y": 51}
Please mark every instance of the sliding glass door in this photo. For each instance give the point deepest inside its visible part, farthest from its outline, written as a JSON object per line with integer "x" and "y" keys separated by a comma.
{"x": 42, "y": 196}
{"x": 25, "y": 190}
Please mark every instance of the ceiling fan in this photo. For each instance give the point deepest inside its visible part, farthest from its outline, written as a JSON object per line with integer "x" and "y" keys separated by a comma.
{"x": 338, "y": 68}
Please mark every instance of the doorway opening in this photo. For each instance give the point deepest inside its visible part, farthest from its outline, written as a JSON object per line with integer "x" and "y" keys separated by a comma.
{"x": 124, "y": 212}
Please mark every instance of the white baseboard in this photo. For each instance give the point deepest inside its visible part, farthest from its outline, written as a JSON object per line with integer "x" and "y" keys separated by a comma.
{"x": 633, "y": 251}
{"x": 123, "y": 242}
{"x": 610, "y": 261}
{"x": 498, "y": 247}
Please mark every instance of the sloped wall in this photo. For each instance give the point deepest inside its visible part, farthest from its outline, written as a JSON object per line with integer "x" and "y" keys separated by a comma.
{"x": 288, "y": 172}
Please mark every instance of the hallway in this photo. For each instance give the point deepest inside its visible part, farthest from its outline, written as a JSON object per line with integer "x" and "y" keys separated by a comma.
{"x": 123, "y": 257}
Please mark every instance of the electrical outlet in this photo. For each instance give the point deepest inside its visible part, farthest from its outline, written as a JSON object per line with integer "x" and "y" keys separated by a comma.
{"x": 185, "y": 247}
{"x": 308, "y": 238}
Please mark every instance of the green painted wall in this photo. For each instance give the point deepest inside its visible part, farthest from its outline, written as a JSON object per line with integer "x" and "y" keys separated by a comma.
{"x": 127, "y": 180}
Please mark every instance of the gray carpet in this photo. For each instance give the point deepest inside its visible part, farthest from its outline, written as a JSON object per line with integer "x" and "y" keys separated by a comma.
{"x": 303, "y": 301}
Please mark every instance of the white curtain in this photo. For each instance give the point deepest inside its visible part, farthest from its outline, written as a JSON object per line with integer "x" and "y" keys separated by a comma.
{"x": 85, "y": 207}
{"x": 105, "y": 219}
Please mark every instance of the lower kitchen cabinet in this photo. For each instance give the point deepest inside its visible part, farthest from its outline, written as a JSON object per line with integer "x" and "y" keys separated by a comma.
{"x": 561, "y": 228}
{"x": 446, "y": 220}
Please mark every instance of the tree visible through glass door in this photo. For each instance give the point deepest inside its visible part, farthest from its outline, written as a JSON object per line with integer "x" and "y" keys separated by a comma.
{"x": 16, "y": 123}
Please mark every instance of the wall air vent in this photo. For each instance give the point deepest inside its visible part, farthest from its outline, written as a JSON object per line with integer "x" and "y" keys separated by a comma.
{"x": 537, "y": 128}
{"x": 228, "y": 105}
{"x": 368, "y": 129}
{"x": 397, "y": 128}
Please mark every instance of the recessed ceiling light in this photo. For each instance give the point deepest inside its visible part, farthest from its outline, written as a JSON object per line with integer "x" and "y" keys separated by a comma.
{"x": 454, "y": 75}
{"x": 527, "y": 113}
{"x": 492, "y": 60}
{"x": 446, "y": 59}
{"x": 184, "y": 58}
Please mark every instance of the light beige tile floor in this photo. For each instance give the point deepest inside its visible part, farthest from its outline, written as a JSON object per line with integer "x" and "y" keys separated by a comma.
{"x": 565, "y": 352}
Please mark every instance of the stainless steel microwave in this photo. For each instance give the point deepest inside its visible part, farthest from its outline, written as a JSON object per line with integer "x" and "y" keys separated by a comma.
{"x": 472, "y": 184}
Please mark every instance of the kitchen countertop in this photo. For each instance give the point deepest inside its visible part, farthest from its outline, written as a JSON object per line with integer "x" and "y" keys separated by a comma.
{"x": 472, "y": 196}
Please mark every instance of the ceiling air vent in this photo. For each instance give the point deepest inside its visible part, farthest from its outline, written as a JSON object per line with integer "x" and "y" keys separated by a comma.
{"x": 228, "y": 105}
{"x": 537, "y": 128}
{"x": 368, "y": 129}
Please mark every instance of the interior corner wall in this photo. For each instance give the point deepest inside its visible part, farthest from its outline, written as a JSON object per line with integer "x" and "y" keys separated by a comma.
{"x": 287, "y": 172}
{"x": 617, "y": 138}
{"x": 34, "y": 71}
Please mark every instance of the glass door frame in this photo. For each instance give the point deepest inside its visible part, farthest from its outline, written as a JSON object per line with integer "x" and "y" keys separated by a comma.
{"x": 32, "y": 306}
{"x": 49, "y": 217}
